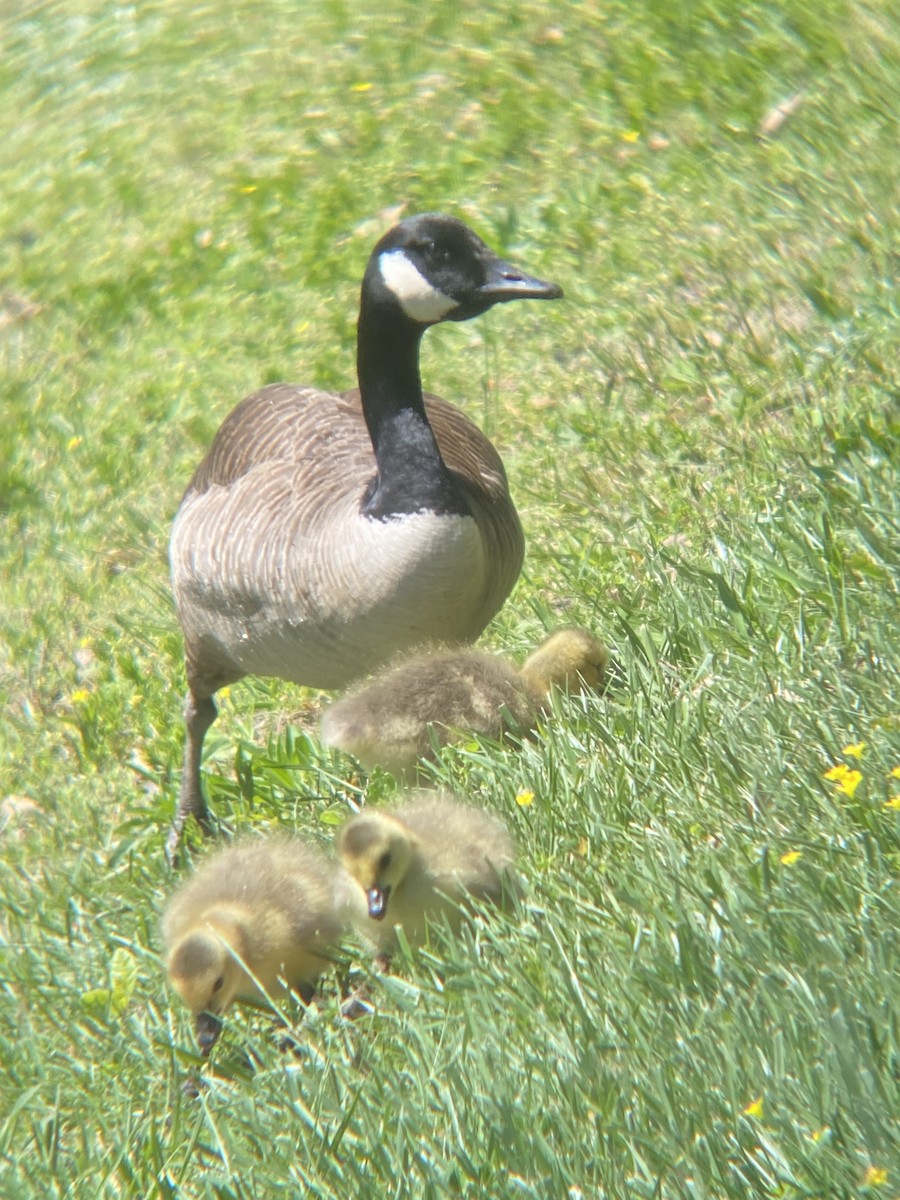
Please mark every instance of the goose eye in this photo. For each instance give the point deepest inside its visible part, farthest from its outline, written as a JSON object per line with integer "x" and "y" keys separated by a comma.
{"x": 431, "y": 250}
{"x": 219, "y": 984}
{"x": 384, "y": 862}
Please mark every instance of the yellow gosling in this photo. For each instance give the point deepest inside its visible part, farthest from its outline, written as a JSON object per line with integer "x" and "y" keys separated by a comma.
{"x": 400, "y": 716}
{"x": 570, "y": 659}
{"x": 255, "y": 921}
{"x": 421, "y": 861}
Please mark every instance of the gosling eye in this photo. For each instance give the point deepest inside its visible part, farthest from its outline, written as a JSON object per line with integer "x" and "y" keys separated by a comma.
{"x": 219, "y": 984}
{"x": 384, "y": 862}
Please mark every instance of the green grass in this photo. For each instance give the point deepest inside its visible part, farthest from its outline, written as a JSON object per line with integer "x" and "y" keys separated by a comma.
{"x": 703, "y": 442}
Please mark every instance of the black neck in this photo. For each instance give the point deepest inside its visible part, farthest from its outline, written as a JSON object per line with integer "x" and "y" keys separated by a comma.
{"x": 412, "y": 477}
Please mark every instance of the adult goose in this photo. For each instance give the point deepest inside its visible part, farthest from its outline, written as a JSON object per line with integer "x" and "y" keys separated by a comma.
{"x": 323, "y": 533}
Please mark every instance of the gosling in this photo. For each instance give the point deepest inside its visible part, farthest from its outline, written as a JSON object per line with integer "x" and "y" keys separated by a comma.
{"x": 404, "y": 714}
{"x": 420, "y": 862}
{"x": 255, "y": 921}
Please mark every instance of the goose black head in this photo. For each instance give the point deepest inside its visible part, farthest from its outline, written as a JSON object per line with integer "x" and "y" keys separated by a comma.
{"x": 434, "y": 268}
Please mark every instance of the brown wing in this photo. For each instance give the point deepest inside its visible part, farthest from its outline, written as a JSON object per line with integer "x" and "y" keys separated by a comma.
{"x": 479, "y": 470}
{"x": 287, "y": 424}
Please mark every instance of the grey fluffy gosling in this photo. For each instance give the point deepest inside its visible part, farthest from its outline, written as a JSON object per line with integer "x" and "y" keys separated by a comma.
{"x": 395, "y": 720}
{"x": 420, "y": 861}
{"x": 322, "y": 534}
{"x": 254, "y": 920}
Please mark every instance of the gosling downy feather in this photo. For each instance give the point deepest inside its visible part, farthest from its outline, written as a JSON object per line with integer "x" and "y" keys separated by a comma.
{"x": 323, "y": 533}
{"x": 396, "y": 720}
{"x": 420, "y": 861}
{"x": 253, "y": 921}
{"x": 571, "y": 659}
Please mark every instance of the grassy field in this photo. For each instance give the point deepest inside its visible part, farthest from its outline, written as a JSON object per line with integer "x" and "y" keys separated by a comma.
{"x": 700, "y": 997}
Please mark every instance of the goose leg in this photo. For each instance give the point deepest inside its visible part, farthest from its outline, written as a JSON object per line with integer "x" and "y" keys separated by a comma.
{"x": 199, "y": 713}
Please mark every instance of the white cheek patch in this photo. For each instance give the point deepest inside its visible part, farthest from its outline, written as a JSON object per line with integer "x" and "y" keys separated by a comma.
{"x": 415, "y": 295}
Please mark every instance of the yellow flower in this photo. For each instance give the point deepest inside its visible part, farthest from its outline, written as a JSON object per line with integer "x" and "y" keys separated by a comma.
{"x": 895, "y": 773}
{"x": 630, "y": 135}
{"x": 850, "y": 782}
{"x": 80, "y": 696}
{"x": 791, "y": 857}
{"x": 74, "y": 442}
{"x": 362, "y": 87}
{"x": 838, "y": 771}
{"x": 855, "y": 750}
{"x": 250, "y": 189}
{"x": 755, "y": 1108}
{"x": 875, "y": 1177}
{"x": 893, "y": 803}
{"x": 525, "y": 798}
{"x": 818, "y": 1134}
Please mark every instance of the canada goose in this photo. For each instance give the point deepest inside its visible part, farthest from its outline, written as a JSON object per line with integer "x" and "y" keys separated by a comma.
{"x": 421, "y": 860}
{"x": 323, "y": 533}
{"x": 399, "y": 717}
{"x": 254, "y": 920}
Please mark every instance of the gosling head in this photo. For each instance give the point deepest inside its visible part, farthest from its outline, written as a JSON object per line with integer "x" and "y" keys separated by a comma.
{"x": 203, "y": 968}
{"x": 377, "y": 851}
{"x": 570, "y": 658}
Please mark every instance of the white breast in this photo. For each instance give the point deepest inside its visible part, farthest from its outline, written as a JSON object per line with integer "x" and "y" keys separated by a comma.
{"x": 321, "y": 603}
